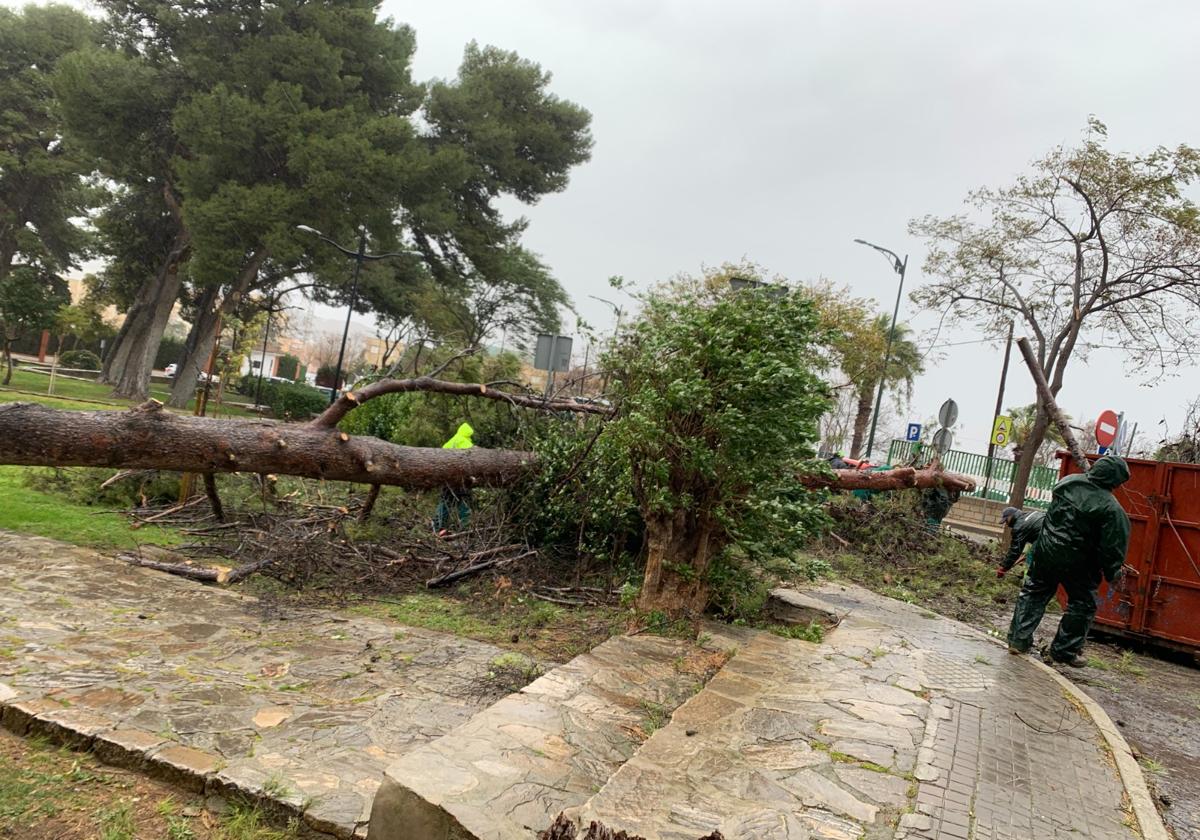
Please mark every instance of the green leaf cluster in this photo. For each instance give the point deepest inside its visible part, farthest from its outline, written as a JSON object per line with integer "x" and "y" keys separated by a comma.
{"x": 720, "y": 394}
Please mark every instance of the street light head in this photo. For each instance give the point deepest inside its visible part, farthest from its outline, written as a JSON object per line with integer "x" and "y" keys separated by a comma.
{"x": 862, "y": 242}
{"x": 308, "y": 229}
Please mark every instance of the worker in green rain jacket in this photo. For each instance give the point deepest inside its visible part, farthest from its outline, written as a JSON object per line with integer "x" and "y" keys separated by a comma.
{"x": 1084, "y": 537}
{"x": 1026, "y": 526}
{"x": 455, "y": 497}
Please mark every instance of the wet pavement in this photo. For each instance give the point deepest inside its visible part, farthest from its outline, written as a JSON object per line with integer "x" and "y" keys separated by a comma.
{"x": 217, "y": 692}
{"x": 900, "y": 724}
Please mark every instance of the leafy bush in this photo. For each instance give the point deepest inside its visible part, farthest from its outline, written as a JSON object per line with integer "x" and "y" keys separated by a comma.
{"x": 287, "y": 367}
{"x": 79, "y": 360}
{"x": 293, "y": 402}
{"x": 286, "y": 400}
{"x": 720, "y": 396}
{"x": 326, "y": 375}
{"x": 83, "y": 485}
{"x": 170, "y": 351}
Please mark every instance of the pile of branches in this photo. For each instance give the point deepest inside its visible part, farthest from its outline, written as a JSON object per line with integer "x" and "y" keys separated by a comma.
{"x": 301, "y": 542}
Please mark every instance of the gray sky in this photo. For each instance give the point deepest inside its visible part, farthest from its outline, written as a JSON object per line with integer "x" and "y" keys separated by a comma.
{"x": 781, "y": 131}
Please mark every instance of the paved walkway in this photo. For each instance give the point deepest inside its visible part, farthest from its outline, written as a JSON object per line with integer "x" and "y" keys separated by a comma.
{"x": 215, "y": 691}
{"x": 901, "y": 724}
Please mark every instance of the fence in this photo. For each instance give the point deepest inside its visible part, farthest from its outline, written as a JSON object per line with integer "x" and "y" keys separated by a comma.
{"x": 1037, "y": 494}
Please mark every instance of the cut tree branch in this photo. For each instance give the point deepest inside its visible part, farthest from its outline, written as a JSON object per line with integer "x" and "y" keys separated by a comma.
{"x": 900, "y": 478}
{"x": 353, "y": 399}
{"x": 1043, "y": 389}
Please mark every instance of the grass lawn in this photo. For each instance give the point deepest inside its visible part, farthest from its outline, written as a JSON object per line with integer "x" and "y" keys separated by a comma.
{"x": 71, "y": 394}
{"x": 29, "y": 511}
{"x": 49, "y": 793}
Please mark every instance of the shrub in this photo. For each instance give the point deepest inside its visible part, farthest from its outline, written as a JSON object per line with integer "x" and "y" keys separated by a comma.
{"x": 79, "y": 360}
{"x": 326, "y": 375}
{"x": 288, "y": 367}
{"x": 170, "y": 351}
{"x": 293, "y": 402}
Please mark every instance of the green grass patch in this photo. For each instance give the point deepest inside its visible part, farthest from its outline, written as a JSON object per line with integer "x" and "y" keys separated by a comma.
{"x": 29, "y": 511}
{"x": 812, "y": 632}
{"x": 85, "y": 394}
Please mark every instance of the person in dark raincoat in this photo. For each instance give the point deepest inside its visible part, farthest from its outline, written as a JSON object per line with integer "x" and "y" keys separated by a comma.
{"x": 453, "y": 497}
{"x": 1084, "y": 537}
{"x": 1025, "y": 526}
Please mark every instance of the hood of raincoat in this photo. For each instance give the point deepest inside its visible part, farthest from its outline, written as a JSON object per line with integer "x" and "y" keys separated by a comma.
{"x": 461, "y": 439}
{"x": 1109, "y": 472}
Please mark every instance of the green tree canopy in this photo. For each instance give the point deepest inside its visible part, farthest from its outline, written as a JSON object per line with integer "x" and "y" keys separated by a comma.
{"x": 43, "y": 187}
{"x": 719, "y": 396}
{"x": 1088, "y": 240}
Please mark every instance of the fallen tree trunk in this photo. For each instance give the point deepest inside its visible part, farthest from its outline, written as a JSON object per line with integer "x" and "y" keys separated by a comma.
{"x": 900, "y": 478}
{"x": 147, "y": 437}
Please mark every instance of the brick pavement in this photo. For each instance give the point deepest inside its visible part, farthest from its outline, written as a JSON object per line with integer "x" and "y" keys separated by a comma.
{"x": 1007, "y": 754}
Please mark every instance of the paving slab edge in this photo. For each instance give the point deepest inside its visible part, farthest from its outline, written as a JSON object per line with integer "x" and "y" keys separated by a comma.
{"x": 1150, "y": 822}
{"x": 20, "y": 716}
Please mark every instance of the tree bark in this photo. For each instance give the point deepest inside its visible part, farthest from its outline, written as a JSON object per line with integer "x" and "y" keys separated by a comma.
{"x": 680, "y": 548}
{"x": 204, "y": 331}
{"x": 130, "y": 364}
{"x": 147, "y": 437}
{"x": 197, "y": 349}
{"x": 901, "y": 478}
{"x": 861, "y": 418}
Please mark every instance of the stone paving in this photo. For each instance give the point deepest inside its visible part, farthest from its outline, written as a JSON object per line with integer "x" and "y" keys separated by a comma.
{"x": 901, "y": 724}
{"x": 213, "y": 691}
{"x": 542, "y": 750}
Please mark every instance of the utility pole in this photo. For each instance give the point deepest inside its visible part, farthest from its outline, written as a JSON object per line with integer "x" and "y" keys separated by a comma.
{"x": 987, "y": 476}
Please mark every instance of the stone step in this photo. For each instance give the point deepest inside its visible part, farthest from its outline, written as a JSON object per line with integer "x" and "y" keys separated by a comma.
{"x": 508, "y": 771}
{"x": 789, "y": 740}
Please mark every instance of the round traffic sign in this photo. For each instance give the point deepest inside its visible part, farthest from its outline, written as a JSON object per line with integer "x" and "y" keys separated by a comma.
{"x": 942, "y": 440}
{"x": 1106, "y": 428}
{"x": 1000, "y": 439}
{"x": 948, "y": 414}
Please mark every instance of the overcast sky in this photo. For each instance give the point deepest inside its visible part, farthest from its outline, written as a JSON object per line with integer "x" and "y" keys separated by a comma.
{"x": 782, "y": 131}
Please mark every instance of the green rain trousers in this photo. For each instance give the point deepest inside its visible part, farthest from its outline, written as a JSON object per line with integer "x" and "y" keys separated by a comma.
{"x": 1083, "y": 540}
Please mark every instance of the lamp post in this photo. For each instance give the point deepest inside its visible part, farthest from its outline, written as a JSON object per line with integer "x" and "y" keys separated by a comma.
{"x": 899, "y": 266}
{"x": 616, "y": 329}
{"x": 360, "y": 256}
{"x": 618, "y": 310}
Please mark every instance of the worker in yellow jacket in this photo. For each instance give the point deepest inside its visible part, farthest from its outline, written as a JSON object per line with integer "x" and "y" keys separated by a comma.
{"x": 452, "y": 497}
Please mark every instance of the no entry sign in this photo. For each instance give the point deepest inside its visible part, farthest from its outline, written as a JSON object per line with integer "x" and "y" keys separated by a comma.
{"x": 1106, "y": 428}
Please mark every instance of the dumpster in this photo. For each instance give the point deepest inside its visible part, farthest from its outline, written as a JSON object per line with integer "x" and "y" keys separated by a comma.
{"x": 1159, "y": 597}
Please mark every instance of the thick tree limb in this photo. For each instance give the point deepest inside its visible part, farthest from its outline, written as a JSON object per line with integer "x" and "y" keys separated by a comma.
{"x": 897, "y": 479}
{"x": 147, "y": 437}
{"x": 1060, "y": 419}
{"x": 352, "y": 399}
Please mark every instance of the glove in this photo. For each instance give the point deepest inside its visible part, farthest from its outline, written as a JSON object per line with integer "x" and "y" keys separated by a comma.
{"x": 1001, "y": 571}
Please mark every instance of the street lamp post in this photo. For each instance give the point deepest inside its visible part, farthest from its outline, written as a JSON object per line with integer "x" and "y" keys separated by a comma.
{"x": 616, "y": 330}
{"x": 360, "y": 256}
{"x": 899, "y": 266}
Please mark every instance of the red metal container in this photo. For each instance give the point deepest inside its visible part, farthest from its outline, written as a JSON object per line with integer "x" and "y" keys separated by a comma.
{"x": 1159, "y": 597}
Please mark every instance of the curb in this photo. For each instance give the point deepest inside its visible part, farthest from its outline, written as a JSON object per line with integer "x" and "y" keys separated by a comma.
{"x": 1150, "y": 823}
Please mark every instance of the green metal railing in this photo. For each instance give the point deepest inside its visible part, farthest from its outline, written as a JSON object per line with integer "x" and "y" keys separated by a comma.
{"x": 1037, "y": 494}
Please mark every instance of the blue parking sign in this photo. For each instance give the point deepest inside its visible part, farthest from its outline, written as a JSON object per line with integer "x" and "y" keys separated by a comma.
{"x": 914, "y": 432}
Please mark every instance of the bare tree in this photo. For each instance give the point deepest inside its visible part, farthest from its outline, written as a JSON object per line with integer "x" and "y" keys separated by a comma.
{"x": 1090, "y": 241}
